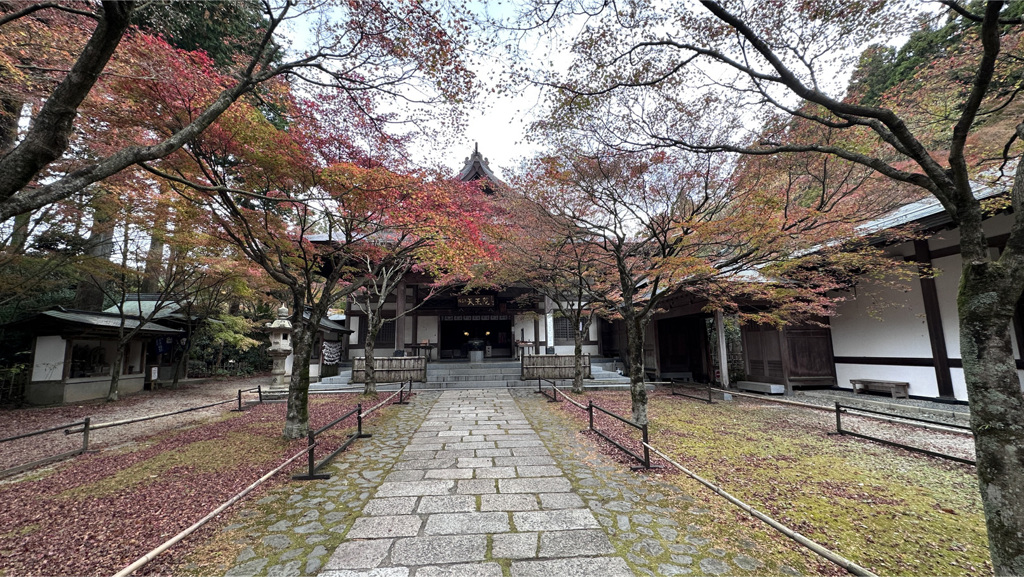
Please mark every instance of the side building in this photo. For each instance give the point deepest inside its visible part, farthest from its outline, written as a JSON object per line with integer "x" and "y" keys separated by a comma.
{"x": 914, "y": 336}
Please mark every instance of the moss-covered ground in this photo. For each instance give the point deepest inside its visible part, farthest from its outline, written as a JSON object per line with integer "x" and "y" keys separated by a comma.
{"x": 892, "y": 511}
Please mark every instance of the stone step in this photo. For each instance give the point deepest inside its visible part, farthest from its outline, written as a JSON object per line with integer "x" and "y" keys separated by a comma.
{"x": 590, "y": 384}
{"x": 473, "y": 372}
{"x": 769, "y": 388}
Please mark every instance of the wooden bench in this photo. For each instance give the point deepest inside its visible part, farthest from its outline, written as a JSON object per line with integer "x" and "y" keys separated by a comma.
{"x": 897, "y": 388}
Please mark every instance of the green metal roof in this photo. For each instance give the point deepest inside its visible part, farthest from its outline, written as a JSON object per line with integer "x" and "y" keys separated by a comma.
{"x": 105, "y": 320}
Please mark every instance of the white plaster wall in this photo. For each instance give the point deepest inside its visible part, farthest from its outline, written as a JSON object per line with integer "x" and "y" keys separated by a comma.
{"x": 88, "y": 389}
{"x": 353, "y": 339}
{"x": 427, "y": 327}
{"x": 549, "y": 327}
{"x": 134, "y": 358}
{"x": 523, "y": 327}
{"x": 944, "y": 239}
{"x": 960, "y": 383}
{"x": 356, "y": 353}
{"x": 92, "y": 388}
{"x": 921, "y": 379}
{"x": 48, "y": 364}
{"x": 895, "y": 331}
{"x": 946, "y": 285}
{"x": 592, "y": 333}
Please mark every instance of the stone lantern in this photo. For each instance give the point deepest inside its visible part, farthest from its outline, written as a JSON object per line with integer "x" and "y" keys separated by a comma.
{"x": 280, "y": 347}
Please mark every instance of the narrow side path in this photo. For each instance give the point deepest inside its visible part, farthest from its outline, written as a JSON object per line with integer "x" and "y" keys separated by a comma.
{"x": 475, "y": 493}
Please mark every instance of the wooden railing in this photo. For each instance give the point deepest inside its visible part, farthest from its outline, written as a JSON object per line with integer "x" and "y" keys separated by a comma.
{"x": 552, "y": 367}
{"x": 391, "y": 369}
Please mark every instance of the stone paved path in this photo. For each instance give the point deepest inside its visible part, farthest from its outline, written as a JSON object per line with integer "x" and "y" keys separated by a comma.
{"x": 475, "y": 493}
{"x": 483, "y": 483}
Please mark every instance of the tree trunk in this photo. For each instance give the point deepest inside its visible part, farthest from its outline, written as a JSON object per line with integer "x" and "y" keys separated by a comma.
{"x": 181, "y": 367}
{"x": 582, "y": 328}
{"x": 115, "y": 371}
{"x": 577, "y": 364}
{"x": 985, "y": 306}
{"x": 372, "y": 328}
{"x": 19, "y": 236}
{"x": 635, "y": 347}
{"x": 296, "y": 424}
{"x": 100, "y": 247}
{"x": 155, "y": 256}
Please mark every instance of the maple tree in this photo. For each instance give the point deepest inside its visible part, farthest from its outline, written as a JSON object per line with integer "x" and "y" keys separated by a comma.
{"x": 119, "y": 273}
{"x": 653, "y": 224}
{"x": 58, "y": 56}
{"x": 271, "y": 204}
{"x": 546, "y": 253}
{"x": 177, "y": 111}
{"x": 430, "y": 225}
{"x": 946, "y": 128}
{"x": 316, "y": 208}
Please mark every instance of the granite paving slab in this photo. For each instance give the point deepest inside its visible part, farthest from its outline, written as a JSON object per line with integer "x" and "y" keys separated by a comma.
{"x": 479, "y": 501}
{"x": 407, "y": 503}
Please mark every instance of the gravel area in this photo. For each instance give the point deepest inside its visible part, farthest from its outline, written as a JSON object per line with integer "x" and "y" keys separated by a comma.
{"x": 189, "y": 394}
{"x": 829, "y": 397}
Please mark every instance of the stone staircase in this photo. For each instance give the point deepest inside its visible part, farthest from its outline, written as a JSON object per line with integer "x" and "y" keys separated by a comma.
{"x": 485, "y": 375}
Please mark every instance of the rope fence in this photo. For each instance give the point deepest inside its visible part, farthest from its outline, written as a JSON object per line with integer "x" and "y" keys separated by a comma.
{"x": 312, "y": 467}
{"x": 141, "y": 561}
{"x": 840, "y": 409}
{"x": 86, "y": 426}
{"x": 852, "y": 567}
{"x": 832, "y": 556}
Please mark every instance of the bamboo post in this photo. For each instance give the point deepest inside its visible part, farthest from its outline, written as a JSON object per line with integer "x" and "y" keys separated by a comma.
{"x": 310, "y": 442}
{"x": 239, "y": 399}
{"x": 647, "y": 451}
{"x": 839, "y": 422}
{"x": 590, "y": 411}
{"x": 85, "y": 435}
{"x": 259, "y": 391}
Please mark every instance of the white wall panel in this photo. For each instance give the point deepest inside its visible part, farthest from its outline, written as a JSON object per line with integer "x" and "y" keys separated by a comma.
{"x": 896, "y": 330}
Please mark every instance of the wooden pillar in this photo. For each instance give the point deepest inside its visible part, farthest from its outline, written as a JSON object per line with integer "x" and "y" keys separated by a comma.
{"x": 784, "y": 358}
{"x": 723, "y": 351}
{"x": 69, "y": 345}
{"x": 940, "y": 357}
{"x": 400, "y": 316}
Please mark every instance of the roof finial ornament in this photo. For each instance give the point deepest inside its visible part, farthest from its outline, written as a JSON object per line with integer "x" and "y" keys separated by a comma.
{"x": 476, "y": 148}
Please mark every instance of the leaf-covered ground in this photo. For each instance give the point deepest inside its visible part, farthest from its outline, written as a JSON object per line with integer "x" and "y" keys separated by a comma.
{"x": 188, "y": 394}
{"x": 97, "y": 513}
{"x": 890, "y": 510}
